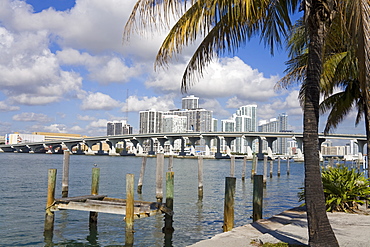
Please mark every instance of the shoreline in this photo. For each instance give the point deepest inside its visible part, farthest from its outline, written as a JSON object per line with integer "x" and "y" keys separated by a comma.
{"x": 290, "y": 227}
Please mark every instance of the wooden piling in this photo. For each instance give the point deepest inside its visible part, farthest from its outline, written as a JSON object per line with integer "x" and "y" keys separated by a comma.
{"x": 254, "y": 165}
{"x": 271, "y": 167}
{"x": 141, "y": 178}
{"x": 170, "y": 163}
{"x": 129, "y": 200}
{"x": 65, "y": 177}
{"x": 244, "y": 170}
{"x": 278, "y": 172}
{"x": 232, "y": 166}
{"x": 159, "y": 177}
{"x": 93, "y": 219}
{"x": 264, "y": 169}
{"x": 49, "y": 215}
{"x": 255, "y": 159}
{"x": 129, "y": 210}
{"x": 200, "y": 177}
{"x": 229, "y": 204}
{"x": 257, "y": 197}
{"x": 288, "y": 166}
{"x": 169, "y": 202}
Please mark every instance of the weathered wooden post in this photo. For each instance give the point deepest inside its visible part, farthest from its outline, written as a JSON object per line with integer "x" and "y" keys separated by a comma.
{"x": 141, "y": 178}
{"x": 254, "y": 165}
{"x": 170, "y": 163}
{"x": 49, "y": 215}
{"x": 271, "y": 167}
{"x": 232, "y": 166}
{"x": 168, "y": 219}
{"x": 244, "y": 170}
{"x": 288, "y": 166}
{"x": 93, "y": 219}
{"x": 229, "y": 203}
{"x": 159, "y": 177}
{"x": 264, "y": 169}
{"x": 278, "y": 172}
{"x": 65, "y": 177}
{"x": 257, "y": 197}
{"x": 129, "y": 210}
{"x": 200, "y": 177}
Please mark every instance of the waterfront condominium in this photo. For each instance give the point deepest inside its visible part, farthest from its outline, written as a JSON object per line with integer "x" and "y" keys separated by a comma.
{"x": 190, "y": 102}
{"x": 279, "y": 124}
{"x": 244, "y": 120}
{"x": 118, "y": 128}
{"x": 150, "y": 122}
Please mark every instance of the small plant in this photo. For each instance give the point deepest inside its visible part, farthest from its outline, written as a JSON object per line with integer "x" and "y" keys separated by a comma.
{"x": 344, "y": 189}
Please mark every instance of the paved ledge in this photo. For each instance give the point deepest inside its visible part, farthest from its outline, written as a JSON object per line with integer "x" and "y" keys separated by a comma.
{"x": 290, "y": 226}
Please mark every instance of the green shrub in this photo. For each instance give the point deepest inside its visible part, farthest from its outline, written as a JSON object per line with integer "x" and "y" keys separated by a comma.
{"x": 344, "y": 189}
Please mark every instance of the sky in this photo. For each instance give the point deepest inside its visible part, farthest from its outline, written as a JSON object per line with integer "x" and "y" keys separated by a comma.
{"x": 65, "y": 68}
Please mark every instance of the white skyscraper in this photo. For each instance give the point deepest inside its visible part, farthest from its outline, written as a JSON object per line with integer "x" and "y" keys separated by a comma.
{"x": 118, "y": 128}
{"x": 150, "y": 121}
{"x": 190, "y": 102}
{"x": 279, "y": 124}
{"x": 245, "y": 121}
{"x": 174, "y": 124}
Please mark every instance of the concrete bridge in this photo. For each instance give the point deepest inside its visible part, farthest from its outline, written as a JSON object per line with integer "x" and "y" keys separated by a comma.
{"x": 161, "y": 139}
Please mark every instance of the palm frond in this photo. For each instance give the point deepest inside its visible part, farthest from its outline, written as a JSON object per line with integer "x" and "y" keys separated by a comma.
{"x": 340, "y": 104}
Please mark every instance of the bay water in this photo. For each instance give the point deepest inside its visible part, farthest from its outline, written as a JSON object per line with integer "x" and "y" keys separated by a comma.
{"x": 23, "y": 186}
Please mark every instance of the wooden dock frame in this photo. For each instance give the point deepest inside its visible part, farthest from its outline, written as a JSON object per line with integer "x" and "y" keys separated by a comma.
{"x": 95, "y": 204}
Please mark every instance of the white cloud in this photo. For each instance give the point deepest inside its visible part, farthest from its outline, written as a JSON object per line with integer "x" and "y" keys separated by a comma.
{"x": 226, "y": 77}
{"x": 75, "y": 129}
{"x": 85, "y": 118}
{"x": 100, "y": 123}
{"x": 103, "y": 69}
{"x": 4, "y": 107}
{"x": 31, "y": 117}
{"x": 161, "y": 103}
{"x": 215, "y": 106}
{"x": 99, "y": 101}
{"x": 97, "y": 127}
{"x": 29, "y": 71}
{"x": 53, "y": 128}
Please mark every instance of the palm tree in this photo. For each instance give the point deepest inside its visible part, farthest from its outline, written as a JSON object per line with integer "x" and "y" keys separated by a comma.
{"x": 341, "y": 67}
{"x": 225, "y": 25}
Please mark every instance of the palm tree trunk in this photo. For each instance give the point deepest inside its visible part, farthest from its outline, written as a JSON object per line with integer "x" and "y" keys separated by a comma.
{"x": 367, "y": 129}
{"x": 364, "y": 65}
{"x": 319, "y": 230}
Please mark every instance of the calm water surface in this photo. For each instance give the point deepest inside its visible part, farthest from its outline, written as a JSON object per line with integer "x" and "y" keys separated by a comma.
{"x": 23, "y": 186}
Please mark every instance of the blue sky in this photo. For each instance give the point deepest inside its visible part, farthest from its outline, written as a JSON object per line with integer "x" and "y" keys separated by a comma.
{"x": 65, "y": 68}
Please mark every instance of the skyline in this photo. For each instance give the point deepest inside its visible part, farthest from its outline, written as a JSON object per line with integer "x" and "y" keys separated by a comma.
{"x": 65, "y": 68}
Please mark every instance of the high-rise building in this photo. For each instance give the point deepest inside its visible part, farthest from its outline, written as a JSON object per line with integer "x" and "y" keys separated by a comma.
{"x": 214, "y": 125}
{"x": 198, "y": 120}
{"x": 279, "y": 124}
{"x": 283, "y": 127}
{"x": 251, "y": 112}
{"x": 150, "y": 121}
{"x": 174, "y": 124}
{"x": 118, "y": 128}
{"x": 245, "y": 120}
{"x": 228, "y": 125}
{"x": 190, "y": 102}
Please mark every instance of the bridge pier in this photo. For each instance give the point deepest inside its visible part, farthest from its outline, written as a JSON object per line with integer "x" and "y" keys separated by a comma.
{"x": 161, "y": 142}
{"x": 101, "y": 151}
{"x": 193, "y": 140}
{"x": 182, "y": 151}
{"x": 218, "y": 154}
{"x": 228, "y": 144}
{"x": 151, "y": 150}
{"x": 207, "y": 140}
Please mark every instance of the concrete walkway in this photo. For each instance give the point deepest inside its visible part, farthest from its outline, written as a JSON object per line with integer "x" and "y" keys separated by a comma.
{"x": 291, "y": 227}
